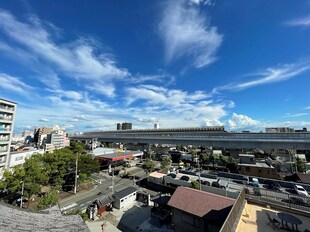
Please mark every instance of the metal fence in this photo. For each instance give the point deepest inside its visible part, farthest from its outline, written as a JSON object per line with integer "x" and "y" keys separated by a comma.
{"x": 232, "y": 219}
{"x": 290, "y": 201}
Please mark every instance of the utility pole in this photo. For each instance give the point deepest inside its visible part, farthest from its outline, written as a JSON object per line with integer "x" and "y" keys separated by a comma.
{"x": 76, "y": 172}
{"x": 113, "y": 181}
{"x": 21, "y": 197}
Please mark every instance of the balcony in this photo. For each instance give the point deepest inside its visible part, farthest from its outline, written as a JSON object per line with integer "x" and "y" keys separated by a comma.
{"x": 6, "y": 108}
{"x": 5, "y": 117}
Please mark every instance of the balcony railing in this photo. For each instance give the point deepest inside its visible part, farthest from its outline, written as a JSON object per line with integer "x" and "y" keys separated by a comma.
{"x": 5, "y": 117}
{"x": 7, "y": 107}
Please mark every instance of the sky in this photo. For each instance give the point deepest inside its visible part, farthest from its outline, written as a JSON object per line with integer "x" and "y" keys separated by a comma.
{"x": 87, "y": 65}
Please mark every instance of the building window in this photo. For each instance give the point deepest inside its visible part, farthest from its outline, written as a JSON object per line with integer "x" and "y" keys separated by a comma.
{"x": 18, "y": 158}
{"x": 267, "y": 171}
{"x": 122, "y": 200}
{"x": 247, "y": 169}
{"x": 259, "y": 171}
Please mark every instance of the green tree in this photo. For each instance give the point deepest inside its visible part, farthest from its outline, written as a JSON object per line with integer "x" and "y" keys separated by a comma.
{"x": 87, "y": 165}
{"x": 77, "y": 147}
{"x": 231, "y": 165}
{"x": 12, "y": 179}
{"x": 195, "y": 184}
{"x": 212, "y": 160}
{"x": 203, "y": 157}
{"x": 165, "y": 163}
{"x": 148, "y": 165}
{"x": 48, "y": 199}
{"x": 301, "y": 165}
{"x": 61, "y": 162}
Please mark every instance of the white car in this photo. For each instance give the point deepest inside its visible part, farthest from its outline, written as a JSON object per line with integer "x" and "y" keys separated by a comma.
{"x": 301, "y": 191}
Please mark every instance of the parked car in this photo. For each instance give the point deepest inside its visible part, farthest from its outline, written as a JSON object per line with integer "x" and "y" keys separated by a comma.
{"x": 255, "y": 182}
{"x": 301, "y": 191}
{"x": 257, "y": 192}
{"x": 276, "y": 187}
{"x": 185, "y": 178}
{"x": 299, "y": 201}
{"x": 172, "y": 175}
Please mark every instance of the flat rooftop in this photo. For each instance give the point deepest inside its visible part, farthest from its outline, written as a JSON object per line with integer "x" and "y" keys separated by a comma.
{"x": 261, "y": 165}
{"x": 120, "y": 155}
{"x": 253, "y": 218}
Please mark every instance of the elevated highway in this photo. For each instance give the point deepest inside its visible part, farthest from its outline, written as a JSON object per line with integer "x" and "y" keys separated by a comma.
{"x": 210, "y": 136}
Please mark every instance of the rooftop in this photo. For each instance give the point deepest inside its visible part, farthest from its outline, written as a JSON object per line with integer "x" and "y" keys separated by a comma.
{"x": 124, "y": 192}
{"x": 198, "y": 202}
{"x": 253, "y": 218}
{"x": 157, "y": 174}
{"x": 261, "y": 165}
{"x": 17, "y": 219}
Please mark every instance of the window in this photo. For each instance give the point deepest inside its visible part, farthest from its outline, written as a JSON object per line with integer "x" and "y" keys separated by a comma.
{"x": 134, "y": 194}
{"x": 18, "y": 158}
{"x": 259, "y": 171}
{"x": 122, "y": 200}
{"x": 247, "y": 169}
{"x": 267, "y": 171}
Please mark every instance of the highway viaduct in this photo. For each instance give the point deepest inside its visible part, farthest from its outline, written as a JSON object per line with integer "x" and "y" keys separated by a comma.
{"x": 203, "y": 137}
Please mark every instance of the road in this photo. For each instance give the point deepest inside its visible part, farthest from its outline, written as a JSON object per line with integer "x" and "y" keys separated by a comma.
{"x": 82, "y": 200}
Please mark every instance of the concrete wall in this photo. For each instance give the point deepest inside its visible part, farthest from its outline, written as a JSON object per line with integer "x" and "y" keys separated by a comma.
{"x": 125, "y": 201}
{"x": 17, "y": 158}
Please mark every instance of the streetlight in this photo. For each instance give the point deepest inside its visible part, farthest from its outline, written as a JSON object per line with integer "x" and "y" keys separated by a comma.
{"x": 21, "y": 198}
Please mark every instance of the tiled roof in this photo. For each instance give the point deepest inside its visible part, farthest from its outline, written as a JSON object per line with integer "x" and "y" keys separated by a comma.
{"x": 198, "y": 202}
{"x": 304, "y": 178}
{"x": 16, "y": 219}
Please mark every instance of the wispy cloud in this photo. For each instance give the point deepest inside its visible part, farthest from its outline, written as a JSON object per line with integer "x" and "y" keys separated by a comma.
{"x": 44, "y": 120}
{"x": 303, "y": 21}
{"x": 268, "y": 76}
{"x": 79, "y": 59}
{"x": 289, "y": 115}
{"x": 176, "y": 103}
{"x": 204, "y": 2}
{"x": 188, "y": 34}
{"x": 14, "y": 84}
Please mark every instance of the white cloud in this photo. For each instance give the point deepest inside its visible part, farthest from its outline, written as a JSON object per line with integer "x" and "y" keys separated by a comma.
{"x": 204, "y": 2}
{"x": 74, "y": 95}
{"x": 307, "y": 108}
{"x": 303, "y": 21}
{"x": 13, "y": 84}
{"x": 240, "y": 121}
{"x": 190, "y": 108}
{"x": 289, "y": 115}
{"x": 44, "y": 120}
{"x": 212, "y": 122}
{"x": 77, "y": 59}
{"x": 268, "y": 76}
{"x": 186, "y": 33}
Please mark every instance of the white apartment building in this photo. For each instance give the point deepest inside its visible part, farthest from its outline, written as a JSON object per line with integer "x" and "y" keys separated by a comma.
{"x": 57, "y": 139}
{"x": 7, "y": 117}
{"x": 19, "y": 157}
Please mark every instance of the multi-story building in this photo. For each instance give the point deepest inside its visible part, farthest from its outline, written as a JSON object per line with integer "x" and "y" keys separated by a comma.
{"x": 40, "y": 135}
{"x": 126, "y": 126}
{"x": 118, "y": 126}
{"x": 7, "y": 116}
{"x": 57, "y": 139}
{"x": 279, "y": 130}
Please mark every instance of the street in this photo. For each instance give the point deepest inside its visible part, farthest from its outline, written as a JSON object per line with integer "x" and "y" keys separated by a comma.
{"x": 103, "y": 187}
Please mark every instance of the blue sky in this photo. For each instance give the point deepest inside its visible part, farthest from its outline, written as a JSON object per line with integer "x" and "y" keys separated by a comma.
{"x": 86, "y": 65}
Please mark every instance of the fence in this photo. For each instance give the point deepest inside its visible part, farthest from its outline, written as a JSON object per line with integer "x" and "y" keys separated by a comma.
{"x": 233, "y": 217}
{"x": 290, "y": 201}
